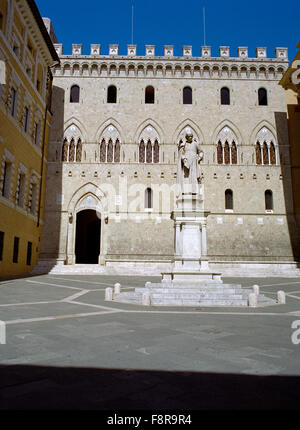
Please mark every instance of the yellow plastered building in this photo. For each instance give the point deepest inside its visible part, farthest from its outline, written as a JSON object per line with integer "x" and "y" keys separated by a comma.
{"x": 27, "y": 55}
{"x": 291, "y": 82}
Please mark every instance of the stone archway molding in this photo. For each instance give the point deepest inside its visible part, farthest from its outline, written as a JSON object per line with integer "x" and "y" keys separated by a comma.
{"x": 89, "y": 196}
{"x": 188, "y": 123}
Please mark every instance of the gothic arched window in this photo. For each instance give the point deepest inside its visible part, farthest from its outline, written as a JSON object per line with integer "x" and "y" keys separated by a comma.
{"x": 233, "y": 153}
{"x": 272, "y": 153}
{"x": 156, "y": 152}
{"x": 226, "y": 153}
{"x": 103, "y": 151}
{"x": 64, "y": 153}
{"x": 187, "y": 95}
{"x": 110, "y": 146}
{"x": 149, "y": 145}
{"x": 265, "y": 153}
{"x": 79, "y": 151}
{"x": 149, "y": 95}
{"x": 220, "y": 153}
{"x": 74, "y": 94}
{"x": 225, "y": 96}
{"x": 229, "y": 199}
{"x": 149, "y": 152}
{"x": 258, "y": 153}
{"x": 111, "y": 94}
{"x": 262, "y": 97}
{"x": 110, "y": 151}
{"x": 72, "y": 151}
{"x": 72, "y": 146}
{"x": 227, "y": 146}
{"x": 265, "y": 147}
{"x": 117, "y": 152}
{"x": 142, "y": 152}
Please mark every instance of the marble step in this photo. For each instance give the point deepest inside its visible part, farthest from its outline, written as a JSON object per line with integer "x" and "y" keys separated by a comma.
{"x": 182, "y": 301}
{"x": 200, "y": 302}
{"x": 219, "y": 290}
{"x": 190, "y": 284}
{"x": 196, "y": 296}
{"x": 191, "y": 299}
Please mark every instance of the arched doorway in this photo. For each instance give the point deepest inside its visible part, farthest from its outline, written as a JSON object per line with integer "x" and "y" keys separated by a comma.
{"x": 87, "y": 240}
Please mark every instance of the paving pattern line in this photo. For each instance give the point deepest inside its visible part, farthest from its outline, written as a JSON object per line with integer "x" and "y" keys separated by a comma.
{"x": 93, "y": 306}
{"x": 74, "y": 296}
{"x": 275, "y": 285}
{"x": 103, "y": 289}
{"x": 82, "y": 281}
{"x": 57, "y": 317}
{"x": 54, "y": 285}
{"x": 294, "y": 297}
{"x": 30, "y": 303}
{"x": 196, "y": 312}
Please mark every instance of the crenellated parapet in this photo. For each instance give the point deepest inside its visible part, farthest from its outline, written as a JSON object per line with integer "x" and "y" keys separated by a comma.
{"x": 168, "y": 65}
{"x": 281, "y": 54}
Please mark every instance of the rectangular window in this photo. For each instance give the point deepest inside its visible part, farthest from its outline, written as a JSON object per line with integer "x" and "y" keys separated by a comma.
{"x": 16, "y": 249}
{"x": 21, "y": 193}
{"x": 13, "y": 101}
{"x": 35, "y": 133}
{"x": 33, "y": 200}
{"x": 1, "y": 244}
{"x": 1, "y": 21}
{"x": 29, "y": 252}
{"x": 26, "y": 114}
{"x": 6, "y": 179}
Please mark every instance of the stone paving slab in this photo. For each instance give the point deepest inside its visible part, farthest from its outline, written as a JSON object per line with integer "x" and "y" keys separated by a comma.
{"x": 91, "y": 354}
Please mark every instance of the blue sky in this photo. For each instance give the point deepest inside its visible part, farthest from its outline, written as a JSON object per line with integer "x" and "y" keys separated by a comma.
{"x": 172, "y": 22}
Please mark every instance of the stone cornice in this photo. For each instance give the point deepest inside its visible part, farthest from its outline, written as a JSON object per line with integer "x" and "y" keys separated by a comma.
{"x": 180, "y": 67}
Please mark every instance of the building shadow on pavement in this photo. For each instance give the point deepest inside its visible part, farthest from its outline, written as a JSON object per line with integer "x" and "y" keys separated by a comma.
{"x": 26, "y": 387}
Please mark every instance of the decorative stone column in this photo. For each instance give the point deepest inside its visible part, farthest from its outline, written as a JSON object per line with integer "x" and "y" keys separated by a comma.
{"x": 70, "y": 254}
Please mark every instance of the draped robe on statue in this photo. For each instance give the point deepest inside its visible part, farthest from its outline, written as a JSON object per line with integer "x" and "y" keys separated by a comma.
{"x": 188, "y": 168}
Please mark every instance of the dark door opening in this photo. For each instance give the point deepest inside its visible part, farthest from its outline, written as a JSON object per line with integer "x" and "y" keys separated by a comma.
{"x": 87, "y": 243}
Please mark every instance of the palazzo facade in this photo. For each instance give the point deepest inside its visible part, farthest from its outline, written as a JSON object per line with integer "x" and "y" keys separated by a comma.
{"x": 112, "y": 159}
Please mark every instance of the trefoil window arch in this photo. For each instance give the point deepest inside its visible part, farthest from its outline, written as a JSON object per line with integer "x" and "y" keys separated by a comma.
{"x": 227, "y": 152}
{"x": 265, "y": 148}
{"x": 110, "y": 146}
{"x": 148, "y": 146}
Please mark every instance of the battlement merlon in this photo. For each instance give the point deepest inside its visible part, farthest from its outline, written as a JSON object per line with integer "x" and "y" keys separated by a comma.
{"x": 281, "y": 54}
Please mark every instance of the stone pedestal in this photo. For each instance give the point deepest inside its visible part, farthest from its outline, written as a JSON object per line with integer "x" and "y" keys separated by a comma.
{"x": 190, "y": 257}
{"x": 191, "y": 282}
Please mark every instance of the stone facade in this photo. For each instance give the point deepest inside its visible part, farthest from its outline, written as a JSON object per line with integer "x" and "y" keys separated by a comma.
{"x": 113, "y": 137}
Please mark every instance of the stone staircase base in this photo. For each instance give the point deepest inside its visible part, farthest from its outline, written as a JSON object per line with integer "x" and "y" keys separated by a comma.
{"x": 168, "y": 294}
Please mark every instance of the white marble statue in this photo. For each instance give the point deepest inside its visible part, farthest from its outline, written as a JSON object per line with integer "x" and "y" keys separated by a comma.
{"x": 188, "y": 167}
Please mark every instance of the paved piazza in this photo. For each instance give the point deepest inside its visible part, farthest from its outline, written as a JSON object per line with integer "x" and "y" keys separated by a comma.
{"x": 66, "y": 348}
